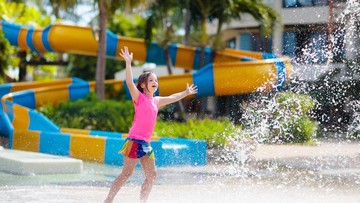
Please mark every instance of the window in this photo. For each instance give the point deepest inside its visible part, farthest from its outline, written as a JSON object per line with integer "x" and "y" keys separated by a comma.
{"x": 289, "y": 3}
{"x": 231, "y": 43}
{"x": 245, "y": 41}
{"x": 304, "y": 3}
{"x": 289, "y": 44}
{"x": 255, "y": 42}
{"x": 321, "y": 2}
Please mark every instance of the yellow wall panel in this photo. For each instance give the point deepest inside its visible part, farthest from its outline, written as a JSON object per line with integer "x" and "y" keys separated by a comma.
{"x": 115, "y": 84}
{"x": 87, "y": 148}
{"x": 74, "y": 130}
{"x": 21, "y": 117}
{"x": 26, "y": 140}
{"x": 92, "y": 85}
{"x": 51, "y": 96}
{"x": 124, "y": 135}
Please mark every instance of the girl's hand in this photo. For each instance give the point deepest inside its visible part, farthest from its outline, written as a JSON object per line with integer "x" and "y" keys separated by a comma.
{"x": 192, "y": 89}
{"x": 126, "y": 55}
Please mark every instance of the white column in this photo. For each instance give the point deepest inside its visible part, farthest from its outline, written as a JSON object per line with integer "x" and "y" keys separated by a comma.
{"x": 238, "y": 40}
{"x": 352, "y": 40}
{"x": 277, "y": 37}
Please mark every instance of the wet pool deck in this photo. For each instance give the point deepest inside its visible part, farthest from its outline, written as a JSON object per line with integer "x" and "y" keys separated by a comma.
{"x": 329, "y": 172}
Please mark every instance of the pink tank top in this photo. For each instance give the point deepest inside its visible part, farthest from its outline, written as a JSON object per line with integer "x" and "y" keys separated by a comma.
{"x": 146, "y": 110}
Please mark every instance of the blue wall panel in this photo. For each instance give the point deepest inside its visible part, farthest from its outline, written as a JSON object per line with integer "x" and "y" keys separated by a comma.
{"x": 55, "y": 143}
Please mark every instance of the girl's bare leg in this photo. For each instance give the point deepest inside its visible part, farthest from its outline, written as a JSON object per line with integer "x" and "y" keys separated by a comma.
{"x": 150, "y": 176}
{"x": 129, "y": 165}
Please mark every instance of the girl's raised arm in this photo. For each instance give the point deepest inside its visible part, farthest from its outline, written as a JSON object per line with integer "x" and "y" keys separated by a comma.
{"x": 134, "y": 92}
{"x": 192, "y": 89}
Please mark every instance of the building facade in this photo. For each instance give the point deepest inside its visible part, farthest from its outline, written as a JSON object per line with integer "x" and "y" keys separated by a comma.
{"x": 310, "y": 31}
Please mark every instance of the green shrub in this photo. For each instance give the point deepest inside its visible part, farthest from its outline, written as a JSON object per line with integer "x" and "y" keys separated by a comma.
{"x": 217, "y": 133}
{"x": 294, "y": 125}
{"x": 282, "y": 119}
{"x": 92, "y": 114}
{"x": 353, "y": 131}
{"x": 290, "y": 101}
{"x": 286, "y": 120}
{"x": 297, "y": 129}
{"x": 109, "y": 115}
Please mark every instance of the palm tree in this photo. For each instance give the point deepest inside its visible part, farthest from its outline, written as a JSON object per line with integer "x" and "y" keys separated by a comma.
{"x": 163, "y": 16}
{"x": 106, "y": 9}
{"x": 201, "y": 10}
{"x": 233, "y": 9}
{"x": 101, "y": 56}
{"x": 187, "y": 24}
{"x": 227, "y": 10}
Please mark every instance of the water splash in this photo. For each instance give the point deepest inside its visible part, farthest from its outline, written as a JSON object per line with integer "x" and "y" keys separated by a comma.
{"x": 354, "y": 127}
{"x": 329, "y": 68}
{"x": 336, "y": 67}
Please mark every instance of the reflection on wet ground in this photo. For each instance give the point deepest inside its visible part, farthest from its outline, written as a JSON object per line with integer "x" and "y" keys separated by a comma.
{"x": 283, "y": 179}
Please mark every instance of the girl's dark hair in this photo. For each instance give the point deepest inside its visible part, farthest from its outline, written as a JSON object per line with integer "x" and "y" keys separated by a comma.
{"x": 143, "y": 78}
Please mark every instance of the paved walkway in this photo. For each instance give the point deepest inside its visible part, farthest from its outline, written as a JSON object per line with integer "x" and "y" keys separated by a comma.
{"x": 329, "y": 172}
{"x": 303, "y": 151}
{"x": 326, "y": 154}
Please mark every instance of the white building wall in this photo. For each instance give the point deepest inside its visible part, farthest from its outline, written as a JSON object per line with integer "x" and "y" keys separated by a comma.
{"x": 289, "y": 17}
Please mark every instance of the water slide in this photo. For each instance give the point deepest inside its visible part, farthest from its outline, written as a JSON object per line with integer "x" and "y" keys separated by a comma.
{"x": 226, "y": 72}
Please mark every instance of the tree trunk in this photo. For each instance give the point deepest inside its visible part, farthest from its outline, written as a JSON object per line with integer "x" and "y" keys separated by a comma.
{"x": 101, "y": 58}
{"x": 168, "y": 61}
{"x": 203, "y": 42}
{"x": 187, "y": 24}
{"x": 22, "y": 66}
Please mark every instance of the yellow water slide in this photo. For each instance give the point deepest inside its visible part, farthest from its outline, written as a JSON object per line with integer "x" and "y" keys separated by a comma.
{"x": 225, "y": 72}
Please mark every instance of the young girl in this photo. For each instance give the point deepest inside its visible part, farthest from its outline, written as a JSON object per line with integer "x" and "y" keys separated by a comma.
{"x": 137, "y": 145}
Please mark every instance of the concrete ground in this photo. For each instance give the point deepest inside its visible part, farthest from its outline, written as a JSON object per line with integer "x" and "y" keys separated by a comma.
{"x": 328, "y": 172}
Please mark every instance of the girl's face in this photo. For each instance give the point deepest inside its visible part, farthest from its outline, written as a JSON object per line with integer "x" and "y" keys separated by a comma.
{"x": 152, "y": 84}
